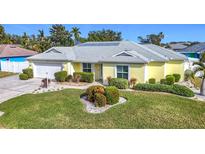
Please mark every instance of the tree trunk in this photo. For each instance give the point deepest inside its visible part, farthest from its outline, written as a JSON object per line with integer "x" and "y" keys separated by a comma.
{"x": 202, "y": 90}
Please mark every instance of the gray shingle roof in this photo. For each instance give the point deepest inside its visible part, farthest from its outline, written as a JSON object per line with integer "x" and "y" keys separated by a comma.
{"x": 200, "y": 47}
{"x": 177, "y": 46}
{"x": 94, "y": 52}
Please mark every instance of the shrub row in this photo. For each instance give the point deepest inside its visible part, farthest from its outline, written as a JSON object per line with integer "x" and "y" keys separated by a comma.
{"x": 119, "y": 83}
{"x": 63, "y": 76}
{"x": 27, "y": 74}
{"x": 169, "y": 80}
{"x": 101, "y": 96}
{"x": 84, "y": 76}
{"x": 175, "y": 89}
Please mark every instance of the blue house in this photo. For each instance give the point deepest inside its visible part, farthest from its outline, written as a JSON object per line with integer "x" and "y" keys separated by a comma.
{"x": 193, "y": 51}
{"x": 14, "y": 53}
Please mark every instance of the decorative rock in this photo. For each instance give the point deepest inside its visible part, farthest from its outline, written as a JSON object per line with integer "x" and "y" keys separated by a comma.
{"x": 1, "y": 113}
{"x": 90, "y": 107}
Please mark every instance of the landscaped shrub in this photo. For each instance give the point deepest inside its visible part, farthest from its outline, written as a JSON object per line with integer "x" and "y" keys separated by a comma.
{"x": 112, "y": 94}
{"x": 69, "y": 78}
{"x": 92, "y": 90}
{"x": 29, "y": 72}
{"x": 175, "y": 89}
{"x": 108, "y": 79}
{"x": 132, "y": 82}
{"x": 84, "y": 76}
{"x": 61, "y": 76}
{"x": 170, "y": 79}
{"x": 182, "y": 90}
{"x": 154, "y": 87}
{"x": 23, "y": 76}
{"x": 100, "y": 100}
{"x": 152, "y": 81}
{"x": 188, "y": 74}
{"x": 163, "y": 81}
{"x": 119, "y": 83}
{"x": 177, "y": 77}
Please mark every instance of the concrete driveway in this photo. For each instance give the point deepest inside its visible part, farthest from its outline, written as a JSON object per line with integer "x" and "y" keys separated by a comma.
{"x": 11, "y": 87}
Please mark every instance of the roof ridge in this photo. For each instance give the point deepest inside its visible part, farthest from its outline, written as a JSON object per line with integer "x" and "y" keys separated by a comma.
{"x": 154, "y": 52}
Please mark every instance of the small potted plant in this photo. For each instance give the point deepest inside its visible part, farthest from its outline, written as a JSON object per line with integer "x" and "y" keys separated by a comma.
{"x": 69, "y": 78}
{"x": 132, "y": 82}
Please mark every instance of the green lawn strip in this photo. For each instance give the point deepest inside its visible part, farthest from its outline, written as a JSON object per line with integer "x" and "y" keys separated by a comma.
{"x": 5, "y": 74}
{"x": 63, "y": 109}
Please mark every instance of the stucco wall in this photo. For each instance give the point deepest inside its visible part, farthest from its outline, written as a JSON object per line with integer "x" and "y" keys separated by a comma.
{"x": 108, "y": 71}
{"x": 175, "y": 67}
{"x": 137, "y": 71}
{"x": 155, "y": 70}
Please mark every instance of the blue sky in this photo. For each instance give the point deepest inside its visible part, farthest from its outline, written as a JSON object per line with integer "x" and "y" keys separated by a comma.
{"x": 173, "y": 32}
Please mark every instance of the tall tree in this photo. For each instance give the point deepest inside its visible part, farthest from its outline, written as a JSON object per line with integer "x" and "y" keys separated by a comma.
{"x": 60, "y": 36}
{"x": 43, "y": 42}
{"x": 152, "y": 38}
{"x": 2, "y": 34}
{"x": 25, "y": 41}
{"x": 104, "y": 35}
{"x": 76, "y": 33}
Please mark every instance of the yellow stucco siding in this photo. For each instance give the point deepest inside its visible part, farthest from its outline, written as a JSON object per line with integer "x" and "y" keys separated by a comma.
{"x": 77, "y": 67}
{"x": 175, "y": 67}
{"x": 155, "y": 70}
{"x": 137, "y": 71}
{"x": 108, "y": 71}
{"x": 97, "y": 71}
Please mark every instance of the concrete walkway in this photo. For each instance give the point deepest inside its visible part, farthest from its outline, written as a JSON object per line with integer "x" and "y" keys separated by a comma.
{"x": 11, "y": 87}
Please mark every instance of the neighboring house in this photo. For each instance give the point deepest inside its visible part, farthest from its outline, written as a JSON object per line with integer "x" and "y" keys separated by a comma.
{"x": 193, "y": 51}
{"x": 177, "y": 46}
{"x": 123, "y": 59}
{"x": 13, "y": 53}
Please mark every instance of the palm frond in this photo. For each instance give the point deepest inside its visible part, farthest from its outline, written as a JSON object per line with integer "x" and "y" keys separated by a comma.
{"x": 199, "y": 64}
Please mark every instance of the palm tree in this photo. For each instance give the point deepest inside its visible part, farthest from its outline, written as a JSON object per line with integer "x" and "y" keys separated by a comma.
{"x": 200, "y": 67}
{"x": 75, "y": 31}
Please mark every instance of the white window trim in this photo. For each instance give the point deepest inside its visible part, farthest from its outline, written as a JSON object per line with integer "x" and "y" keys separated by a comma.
{"x": 122, "y": 65}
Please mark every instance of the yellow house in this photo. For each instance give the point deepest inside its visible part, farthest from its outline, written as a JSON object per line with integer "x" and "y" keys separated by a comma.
{"x": 118, "y": 59}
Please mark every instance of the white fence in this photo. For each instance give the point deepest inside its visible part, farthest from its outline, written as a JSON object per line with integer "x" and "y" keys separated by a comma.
{"x": 15, "y": 67}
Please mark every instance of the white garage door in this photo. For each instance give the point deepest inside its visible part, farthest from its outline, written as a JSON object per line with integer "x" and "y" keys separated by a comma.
{"x": 42, "y": 70}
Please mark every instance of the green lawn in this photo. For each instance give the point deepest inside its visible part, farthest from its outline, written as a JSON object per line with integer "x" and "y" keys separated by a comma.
{"x": 5, "y": 74}
{"x": 63, "y": 109}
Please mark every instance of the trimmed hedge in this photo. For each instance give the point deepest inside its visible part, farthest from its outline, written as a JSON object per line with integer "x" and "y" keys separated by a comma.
{"x": 177, "y": 77}
{"x": 119, "y": 83}
{"x": 61, "y": 76}
{"x": 92, "y": 90}
{"x": 152, "y": 81}
{"x": 163, "y": 81}
{"x": 170, "y": 79}
{"x": 175, "y": 89}
{"x": 182, "y": 90}
{"x": 100, "y": 100}
{"x": 28, "y": 72}
{"x": 112, "y": 94}
{"x": 23, "y": 76}
{"x": 84, "y": 76}
{"x": 154, "y": 87}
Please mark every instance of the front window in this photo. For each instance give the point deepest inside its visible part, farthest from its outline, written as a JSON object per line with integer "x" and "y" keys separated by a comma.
{"x": 122, "y": 71}
{"x": 87, "y": 67}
